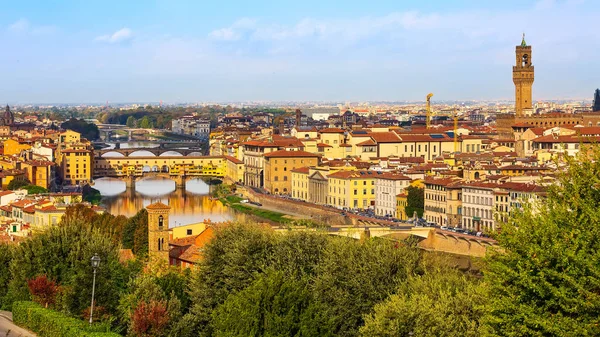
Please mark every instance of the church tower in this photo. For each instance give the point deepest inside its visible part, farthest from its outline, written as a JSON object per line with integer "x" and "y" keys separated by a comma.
{"x": 523, "y": 80}
{"x": 158, "y": 232}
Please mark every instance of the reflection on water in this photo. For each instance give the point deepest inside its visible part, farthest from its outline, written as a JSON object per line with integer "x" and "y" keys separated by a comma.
{"x": 132, "y": 145}
{"x": 187, "y": 206}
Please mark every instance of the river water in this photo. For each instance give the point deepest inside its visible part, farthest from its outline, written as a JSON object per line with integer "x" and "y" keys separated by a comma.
{"x": 187, "y": 206}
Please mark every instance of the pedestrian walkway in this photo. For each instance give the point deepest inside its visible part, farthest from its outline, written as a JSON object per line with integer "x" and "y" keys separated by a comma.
{"x": 8, "y": 329}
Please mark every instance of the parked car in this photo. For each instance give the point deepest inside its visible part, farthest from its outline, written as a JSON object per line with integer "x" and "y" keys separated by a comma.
{"x": 244, "y": 201}
{"x": 444, "y": 228}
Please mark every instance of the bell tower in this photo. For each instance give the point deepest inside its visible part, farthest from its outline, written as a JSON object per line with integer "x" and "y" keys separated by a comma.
{"x": 158, "y": 232}
{"x": 523, "y": 80}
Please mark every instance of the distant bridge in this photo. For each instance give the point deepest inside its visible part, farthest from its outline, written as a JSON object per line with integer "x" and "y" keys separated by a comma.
{"x": 431, "y": 239}
{"x": 157, "y": 151}
{"x": 177, "y": 168}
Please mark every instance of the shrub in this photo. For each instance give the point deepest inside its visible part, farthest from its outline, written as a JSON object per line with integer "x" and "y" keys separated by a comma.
{"x": 50, "y": 323}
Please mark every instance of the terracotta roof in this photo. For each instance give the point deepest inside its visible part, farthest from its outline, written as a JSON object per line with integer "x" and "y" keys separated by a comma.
{"x": 331, "y": 130}
{"x": 285, "y": 153}
{"x": 3, "y": 193}
{"x": 158, "y": 205}
{"x": 566, "y": 139}
{"x": 301, "y": 170}
{"x": 368, "y": 142}
{"x": 440, "y": 181}
{"x": 393, "y": 176}
{"x": 426, "y": 138}
{"x": 233, "y": 160}
{"x": 352, "y": 174}
{"x": 385, "y": 137}
{"x": 323, "y": 145}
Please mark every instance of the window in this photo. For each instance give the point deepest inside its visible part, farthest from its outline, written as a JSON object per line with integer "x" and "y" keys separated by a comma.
{"x": 160, "y": 222}
{"x": 189, "y": 232}
{"x": 276, "y": 178}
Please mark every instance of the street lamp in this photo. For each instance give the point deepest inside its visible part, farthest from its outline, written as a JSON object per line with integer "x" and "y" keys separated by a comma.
{"x": 95, "y": 264}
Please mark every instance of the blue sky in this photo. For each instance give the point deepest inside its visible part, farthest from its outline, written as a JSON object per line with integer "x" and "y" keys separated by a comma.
{"x": 192, "y": 51}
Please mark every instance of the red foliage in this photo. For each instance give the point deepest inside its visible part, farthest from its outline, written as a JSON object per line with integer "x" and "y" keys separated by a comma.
{"x": 150, "y": 319}
{"x": 42, "y": 290}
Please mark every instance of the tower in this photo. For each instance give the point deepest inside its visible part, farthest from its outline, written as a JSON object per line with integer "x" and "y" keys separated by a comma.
{"x": 523, "y": 79}
{"x": 158, "y": 232}
{"x": 596, "y": 105}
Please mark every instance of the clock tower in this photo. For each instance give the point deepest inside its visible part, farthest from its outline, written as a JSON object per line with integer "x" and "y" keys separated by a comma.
{"x": 523, "y": 80}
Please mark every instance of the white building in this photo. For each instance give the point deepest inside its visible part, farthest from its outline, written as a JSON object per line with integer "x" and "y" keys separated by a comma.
{"x": 478, "y": 205}
{"x": 387, "y": 187}
{"x": 191, "y": 126}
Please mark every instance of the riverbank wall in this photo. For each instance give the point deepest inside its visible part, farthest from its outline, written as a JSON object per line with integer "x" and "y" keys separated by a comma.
{"x": 317, "y": 213}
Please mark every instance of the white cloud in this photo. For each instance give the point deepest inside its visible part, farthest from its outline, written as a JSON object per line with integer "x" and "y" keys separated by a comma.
{"x": 120, "y": 35}
{"x": 21, "y": 25}
{"x": 235, "y": 31}
{"x": 225, "y": 34}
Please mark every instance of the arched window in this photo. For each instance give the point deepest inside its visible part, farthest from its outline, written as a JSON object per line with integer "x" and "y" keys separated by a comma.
{"x": 159, "y": 245}
{"x": 160, "y": 222}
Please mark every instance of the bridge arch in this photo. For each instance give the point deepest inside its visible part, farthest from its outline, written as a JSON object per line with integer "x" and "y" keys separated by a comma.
{"x": 141, "y": 153}
{"x": 195, "y": 153}
{"x": 113, "y": 153}
{"x": 170, "y": 153}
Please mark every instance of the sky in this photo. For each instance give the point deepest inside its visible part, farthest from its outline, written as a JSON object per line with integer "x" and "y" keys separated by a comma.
{"x": 74, "y": 51}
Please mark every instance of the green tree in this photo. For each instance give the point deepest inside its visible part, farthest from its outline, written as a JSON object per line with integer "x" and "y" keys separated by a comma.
{"x": 17, "y": 184}
{"x": 415, "y": 201}
{"x": 145, "y": 123}
{"x": 63, "y": 254}
{"x": 5, "y": 257}
{"x": 87, "y": 130}
{"x": 130, "y": 122}
{"x": 443, "y": 304}
{"x": 272, "y": 305}
{"x": 545, "y": 281}
{"x": 352, "y": 277}
{"x": 230, "y": 263}
{"x": 34, "y": 189}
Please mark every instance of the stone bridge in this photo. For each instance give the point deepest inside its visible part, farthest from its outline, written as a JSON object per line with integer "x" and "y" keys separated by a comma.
{"x": 157, "y": 151}
{"x": 431, "y": 239}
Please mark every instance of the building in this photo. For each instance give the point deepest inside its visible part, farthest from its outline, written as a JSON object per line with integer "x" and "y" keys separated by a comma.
{"x": 478, "y": 201}
{"x": 401, "y": 203}
{"x": 76, "y": 166}
{"x": 192, "y": 126}
{"x": 8, "y": 118}
{"x": 387, "y": 186}
{"x": 523, "y": 76}
{"x": 158, "y": 232}
{"x": 279, "y": 165}
{"x": 352, "y": 189}
{"x": 438, "y": 192}
{"x": 300, "y": 183}
{"x": 596, "y": 105}
{"x": 234, "y": 170}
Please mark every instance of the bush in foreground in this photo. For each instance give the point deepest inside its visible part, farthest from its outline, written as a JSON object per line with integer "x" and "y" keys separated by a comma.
{"x": 50, "y": 323}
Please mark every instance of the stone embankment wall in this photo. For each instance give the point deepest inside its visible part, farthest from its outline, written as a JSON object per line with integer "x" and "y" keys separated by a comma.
{"x": 317, "y": 213}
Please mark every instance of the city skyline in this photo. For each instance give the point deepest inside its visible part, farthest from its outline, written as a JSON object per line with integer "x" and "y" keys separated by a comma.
{"x": 186, "y": 52}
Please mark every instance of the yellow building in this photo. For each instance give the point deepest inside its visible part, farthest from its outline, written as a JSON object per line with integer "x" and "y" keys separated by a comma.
{"x": 69, "y": 136}
{"x": 401, "y": 203}
{"x": 279, "y": 166}
{"x": 76, "y": 167}
{"x": 300, "y": 183}
{"x": 13, "y": 147}
{"x": 352, "y": 189}
{"x": 39, "y": 172}
{"x": 234, "y": 171}
{"x": 181, "y": 232}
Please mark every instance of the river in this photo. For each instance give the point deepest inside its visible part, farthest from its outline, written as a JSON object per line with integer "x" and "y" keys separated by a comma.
{"x": 187, "y": 206}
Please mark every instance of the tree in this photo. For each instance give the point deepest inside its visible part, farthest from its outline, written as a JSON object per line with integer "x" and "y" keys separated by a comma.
{"x": 35, "y": 189}
{"x": 444, "y": 304}
{"x": 545, "y": 281}
{"x": 63, "y": 254}
{"x": 272, "y": 305}
{"x": 415, "y": 201}
{"x": 150, "y": 319}
{"x": 42, "y": 290}
{"x": 17, "y": 184}
{"x": 145, "y": 123}
{"x": 348, "y": 283}
{"x": 130, "y": 122}
{"x": 230, "y": 263}
{"x": 87, "y": 130}
{"x": 5, "y": 257}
